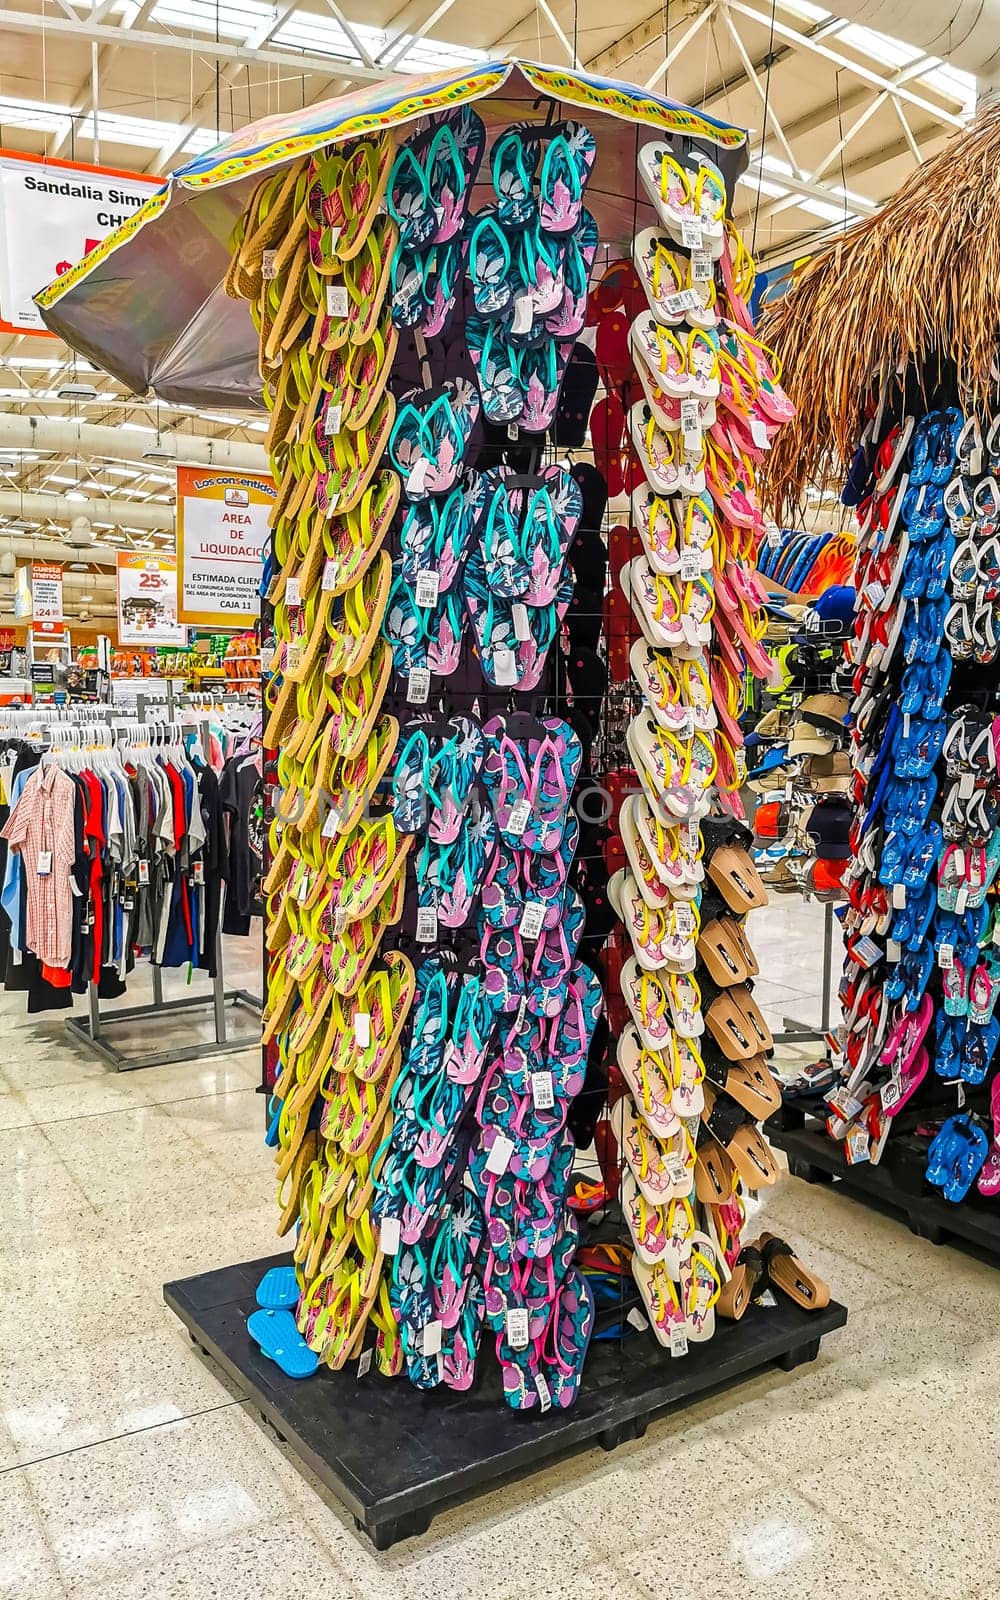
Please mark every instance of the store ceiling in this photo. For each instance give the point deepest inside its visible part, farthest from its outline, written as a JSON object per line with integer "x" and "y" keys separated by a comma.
{"x": 145, "y": 84}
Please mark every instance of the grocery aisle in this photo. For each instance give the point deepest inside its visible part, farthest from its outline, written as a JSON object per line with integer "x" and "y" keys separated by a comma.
{"x": 129, "y": 1471}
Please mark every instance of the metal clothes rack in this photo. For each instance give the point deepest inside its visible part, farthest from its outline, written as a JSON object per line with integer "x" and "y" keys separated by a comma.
{"x": 91, "y": 1030}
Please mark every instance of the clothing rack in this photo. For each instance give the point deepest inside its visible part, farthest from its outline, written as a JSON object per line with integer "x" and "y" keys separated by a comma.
{"x": 87, "y": 732}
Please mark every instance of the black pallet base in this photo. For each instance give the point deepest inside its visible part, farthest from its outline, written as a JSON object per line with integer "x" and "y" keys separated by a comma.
{"x": 896, "y": 1186}
{"x": 395, "y": 1456}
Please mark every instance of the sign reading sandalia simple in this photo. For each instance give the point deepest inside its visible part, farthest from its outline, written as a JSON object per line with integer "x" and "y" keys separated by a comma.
{"x": 51, "y": 214}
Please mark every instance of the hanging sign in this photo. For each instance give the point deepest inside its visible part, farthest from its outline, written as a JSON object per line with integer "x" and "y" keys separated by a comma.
{"x": 51, "y": 214}
{"x": 147, "y": 599}
{"x": 46, "y": 592}
{"x": 222, "y": 528}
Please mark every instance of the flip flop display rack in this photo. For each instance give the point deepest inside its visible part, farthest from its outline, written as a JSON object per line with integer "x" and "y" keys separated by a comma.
{"x": 463, "y": 966}
{"x": 921, "y": 978}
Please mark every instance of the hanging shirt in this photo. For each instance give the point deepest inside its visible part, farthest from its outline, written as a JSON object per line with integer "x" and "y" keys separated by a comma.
{"x": 41, "y": 829}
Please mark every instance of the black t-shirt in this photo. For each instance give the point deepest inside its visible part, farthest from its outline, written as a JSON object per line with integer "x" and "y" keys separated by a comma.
{"x": 243, "y": 801}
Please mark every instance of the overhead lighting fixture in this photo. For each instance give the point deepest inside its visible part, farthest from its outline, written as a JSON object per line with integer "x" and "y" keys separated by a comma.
{"x": 74, "y": 494}
{"x": 9, "y": 463}
{"x": 76, "y": 391}
{"x": 161, "y": 450}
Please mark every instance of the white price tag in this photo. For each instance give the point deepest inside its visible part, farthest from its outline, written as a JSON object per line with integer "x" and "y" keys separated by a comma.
{"x": 418, "y": 477}
{"x": 692, "y": 442}
{"x": 427, "y": 925}
{"x": 519, "y": 613}
{"x": 518, "y": 820}
{"x": 504, "y": 668}
{"x": 899, "y": 897}
{"x": 332, "y": 420}
{"x": 693, "y": 840}
{"x": 544, "y": 1393}
{"x": 678, "y": 1341}
{"x": 524, "y": 314}
{"x": 542, "y": 1093}
{"x": 336, "y": 300}
{"x": 513, "y": 432}
{"x": 857, "y": 1148}
{"x": 637, "y": 1320}
{"x": 517, "y": 1328}
{"x": 959, "y": 860}
{"x": 690, "y": 416}
{"x": 690, "y": 565}
{"x": 966, "y": 786}
{"x": 143, "y": 871}
{"x": 893, "y": 951}
{"x": 362, "y": 1029}
{"x": 683, "y": 919}
{"x": 331, "y": 574}
{"x": 768, "y": 1300}
{"x": 702, "y": 267}
{"x": 498, "y": 1159}
{"x": 44, "y": 866}
{"x": 680, "y": 301}
{"x": 874, "y": 592}
{"x": 293, "y": 656}
{"x": 758, "y": 433}
{"x": 427, "y": 586}
{"x": 431, "y": 1342}
{"x": 268, "y": 269}
{"x": 418, "y": 686}
{"x": 892, "y": 1093}
{"x": 532, "y": 919}
{"x": 302, "y": 892}
{"x": 692, "y": 237}
{"x": 331, "y": 505}
{"x": 388, "y": 1236}
{"x": 293, "y": 592}
{"x": 331, "y": 824}
{"x": 678, "y": 1174}
{"x": 946, "y": 957}
{"x": 365, "y": 1362}
{"x": 961, "y": 900}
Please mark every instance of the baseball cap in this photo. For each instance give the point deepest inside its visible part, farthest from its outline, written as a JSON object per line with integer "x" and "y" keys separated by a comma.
{"x": 826, "y": 711}
{"x": 805, "y": 741}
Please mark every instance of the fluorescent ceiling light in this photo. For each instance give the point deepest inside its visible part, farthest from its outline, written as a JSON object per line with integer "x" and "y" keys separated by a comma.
{"x": 138, "y": 427}
{"x": 42, "y": 363}
{"x": 803, "y": 8}
{"x": 774, "y": 191}
{"x": 74, "y": 494}
{"x": 324, "y": 36}
{"x": 887, "y": 52}
{"x": 821, "y": 208}
{"x": 47, "y": 116}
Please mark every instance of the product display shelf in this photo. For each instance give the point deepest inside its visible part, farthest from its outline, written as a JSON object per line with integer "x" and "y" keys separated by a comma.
{"x": 897, "y": 1184}
{"x": 395, "y": 1456}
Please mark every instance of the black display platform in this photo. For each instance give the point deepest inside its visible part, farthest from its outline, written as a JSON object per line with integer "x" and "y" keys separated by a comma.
{"x": 897, "y": 1185}
{"x": 395, "y": 1456}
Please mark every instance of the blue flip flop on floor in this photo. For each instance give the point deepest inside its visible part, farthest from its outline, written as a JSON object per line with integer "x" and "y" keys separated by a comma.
{"x": 282, "y": 1343}
{"x": 278, "y": 1289}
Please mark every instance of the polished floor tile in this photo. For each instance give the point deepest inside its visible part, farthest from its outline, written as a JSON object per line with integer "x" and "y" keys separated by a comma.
{"x": 131, "y": 1472}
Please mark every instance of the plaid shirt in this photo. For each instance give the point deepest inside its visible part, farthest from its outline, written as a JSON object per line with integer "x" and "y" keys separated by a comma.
{"x": 43, "y": 819}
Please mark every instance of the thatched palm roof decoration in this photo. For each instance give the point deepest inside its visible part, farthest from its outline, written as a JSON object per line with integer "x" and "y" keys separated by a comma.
{"x": 921, "y": 277}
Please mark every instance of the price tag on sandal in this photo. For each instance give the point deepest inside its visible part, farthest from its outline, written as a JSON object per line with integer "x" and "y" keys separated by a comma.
{"x": 683, "y": 918}
{"x": 693, "y": 837}
{"x": 44, "y": 865}
{"x": 767, "y": 1300}
{"x": 690, "y": 416}
{"x": 542, "y": 1093}
{"x": 519, "y": 616}
{"x": 892, "y": 1093}
{"x": 331, "y": 505}
{"x": 690, "y": 565}
{"x": 498, "y": 1159}
{"x": 427, "y": 925}
{"x": 331, "y": 826}
{"x": 682, "y": 300}
{"x": 388, "y": 1236}
{"x": 520, "y": 812}
{"x": 961, "y": 900}
{"x": 544, "y": 1393}
{"x": 504, "y": 668}
{"x": 692, "y": 442}
{"x": 363, "y": 1034}
{"x": 636, "y": 1320}
{"x": 966, "y": 786}
{"x": 899, "y": 897}
{"x": 332, "y": 420}
{"x": 293, "y": 657}
{"x": 692, "y": 237}
{"x": 858, "y": 1148}
{"x": 532, "y": 919}
{"x": 517, "y": 1328}
{"x": 336, "y": 300}
{"x": 331, "y": 574}
{"x": 418, "y": 686}
{"x": 758, "y": 433}
{"x": 431, "y": 1341}
{"x": 893, "y": 951}
{"x": 365, "y": 1362}
{"x": 418, "y": 477}
{"x": 268, "y": 269}
{"x": 524, "y": 314}
{"x": 678, "y": 1341}
{"x": 293, "y": 592}
{"x": 426, "y": 590}
{"x": 702, "y": 267}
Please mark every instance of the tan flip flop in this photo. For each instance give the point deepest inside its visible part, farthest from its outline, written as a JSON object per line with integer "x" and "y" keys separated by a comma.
{"x": 737, "y": 879}
{"x": 730, "y": 1028}
{"x": 721, "y": 950}
{"x": 788, "y": 1274}
{"x": 728, "y": 1123}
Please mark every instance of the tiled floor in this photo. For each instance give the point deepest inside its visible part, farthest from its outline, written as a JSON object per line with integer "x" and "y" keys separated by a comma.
{"x": 129, "y": 1471}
